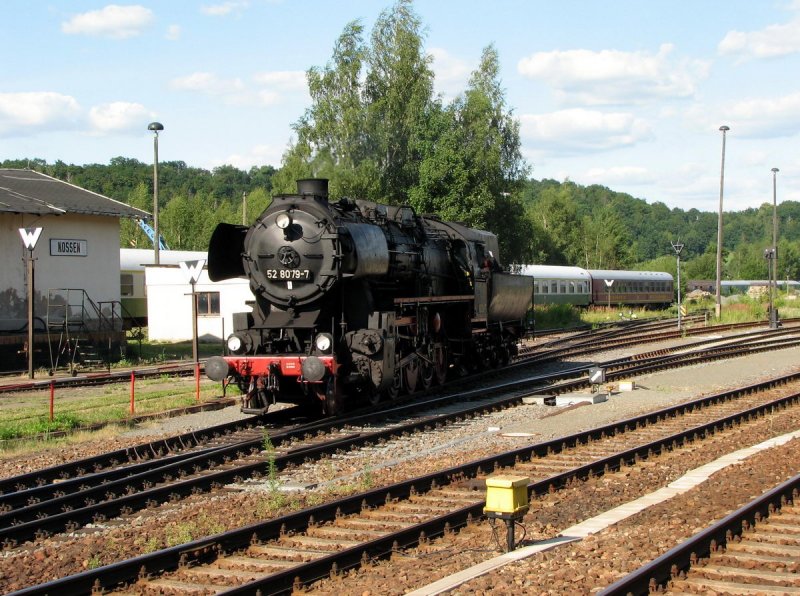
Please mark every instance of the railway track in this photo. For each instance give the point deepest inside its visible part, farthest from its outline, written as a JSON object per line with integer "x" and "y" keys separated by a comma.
{"x": 99, "y": 378}
{"x": 753, "y": 550}
{"x": 187, "y": 369}
{"x": 335, "y": 536}
{"x": 67, "y": 497}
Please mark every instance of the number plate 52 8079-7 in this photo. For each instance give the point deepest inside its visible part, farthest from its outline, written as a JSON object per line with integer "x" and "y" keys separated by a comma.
{"x": 289, "y": 274}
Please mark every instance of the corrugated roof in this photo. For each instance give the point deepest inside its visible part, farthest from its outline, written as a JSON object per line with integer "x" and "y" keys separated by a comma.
{"x": 26, "y": 191}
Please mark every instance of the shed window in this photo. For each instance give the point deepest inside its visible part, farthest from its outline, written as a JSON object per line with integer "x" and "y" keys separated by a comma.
{"x": 125, "y": 284}
{"x": 207, "y": 304}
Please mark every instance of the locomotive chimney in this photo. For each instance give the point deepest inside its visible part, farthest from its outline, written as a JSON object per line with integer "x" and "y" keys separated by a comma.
{"x": 313, "y": 186}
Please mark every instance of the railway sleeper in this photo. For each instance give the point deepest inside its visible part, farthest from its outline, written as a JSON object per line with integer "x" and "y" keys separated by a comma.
{"x": 378, "y": 523}
{"x": 744, "y": 577}
{"x": 175, "y": 586}
{"x": 342, "y": 531}
{"x": 767, "y": 561}
{"x": 254, "y": 563}
{"x": 287, "y": 553}
{"x": 722, "y": 587}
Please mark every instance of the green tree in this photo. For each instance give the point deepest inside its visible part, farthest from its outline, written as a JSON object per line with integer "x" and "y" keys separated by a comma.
{"x": 474, "y": 171}
{"x": 130, "y": 234}
{"x": 398, "y": 91}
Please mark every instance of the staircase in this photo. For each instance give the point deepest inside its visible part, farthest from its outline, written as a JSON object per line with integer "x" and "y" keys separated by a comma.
{"x": 89, "y": 334}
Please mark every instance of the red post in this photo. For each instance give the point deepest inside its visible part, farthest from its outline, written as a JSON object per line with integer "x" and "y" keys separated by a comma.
{"x": 133, "y": 392}
{"x": 52, "y": 398}
{"x": 197, "y": 381}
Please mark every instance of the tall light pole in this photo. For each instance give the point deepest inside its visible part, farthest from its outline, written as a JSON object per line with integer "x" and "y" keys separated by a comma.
{"x": 773, "y": 283}
{"x": 678, "y": 247}
{"x": 775, "y": 219}
{"x": 718, "y": 307}
{"x": 155, "y": 127}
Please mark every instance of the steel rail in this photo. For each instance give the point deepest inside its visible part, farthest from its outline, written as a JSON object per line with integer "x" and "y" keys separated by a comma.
{"x": 114, "y": 497}
{"x": 680, "y": 558}
{"x": 282, "y": 582}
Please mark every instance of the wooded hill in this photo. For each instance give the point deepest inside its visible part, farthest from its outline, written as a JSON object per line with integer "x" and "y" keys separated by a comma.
{"x": 587, "y": 226}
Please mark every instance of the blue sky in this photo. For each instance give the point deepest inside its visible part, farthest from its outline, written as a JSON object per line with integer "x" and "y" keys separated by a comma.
{"x": 626, "y": 94}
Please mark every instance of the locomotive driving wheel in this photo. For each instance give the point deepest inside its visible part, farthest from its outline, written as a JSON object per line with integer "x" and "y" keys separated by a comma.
{"x": 427, "y": 373}
{"x": 440, "y": 364}
{"x": 393, "y": 391}
{"x": 411, "y": 375}
{"x": 330, "y": 398}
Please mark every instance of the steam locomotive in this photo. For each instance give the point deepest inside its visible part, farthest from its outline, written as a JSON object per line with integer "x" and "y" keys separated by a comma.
{"x": 355, "y": 300}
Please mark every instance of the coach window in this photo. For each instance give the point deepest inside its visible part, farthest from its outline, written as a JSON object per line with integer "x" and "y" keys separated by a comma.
{"x": 563, "y": 287}
{"x": 125, "y": 284}
{"x": 207, "y": 304}
{"x": 554, "y": 287}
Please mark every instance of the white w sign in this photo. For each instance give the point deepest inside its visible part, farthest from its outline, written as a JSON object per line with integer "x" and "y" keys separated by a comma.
{"x": 30, "y": 236}
{"x": 192, "y": 269}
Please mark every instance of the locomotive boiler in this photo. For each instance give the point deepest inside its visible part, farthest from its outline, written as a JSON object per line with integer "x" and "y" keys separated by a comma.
{"x": 358, "y": 300}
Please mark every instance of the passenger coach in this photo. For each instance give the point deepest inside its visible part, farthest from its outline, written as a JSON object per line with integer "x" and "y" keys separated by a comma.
{"x": 649, "y": 288}
{"x": 555, "y": 284}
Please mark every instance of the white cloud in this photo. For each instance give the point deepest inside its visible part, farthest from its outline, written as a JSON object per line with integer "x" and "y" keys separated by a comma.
{"x": 118, "y": 116}
{"x": 614, "y": 77}
{"x": 173, "y": 33}
{"x": 259, "y": 155}
{"x": 766, "y": 117}
{"x": 755, "y": 118}
{"x": 206, "y": 82}
{"x": 583, "y": 130}
{"x": 24, "y": 113}
{"x": 629, "y": 175}
{"x": 452, "y": 74}
{"x": 770, "y": 42}
{"x": 276, "y": 86}
{"x": 114, "y": 21}
{"x": 285, "y": 80}
{"x": 225, "y": 8}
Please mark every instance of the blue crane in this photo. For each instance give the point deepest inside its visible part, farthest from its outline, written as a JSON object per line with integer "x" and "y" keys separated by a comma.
{"x": 162, "y": 245}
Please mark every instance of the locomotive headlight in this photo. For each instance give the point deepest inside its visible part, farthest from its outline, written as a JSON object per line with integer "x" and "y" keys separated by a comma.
{"x": 323, "y": 342}
{"x": 235, "y": 344}
{"x": 283, "y": 220}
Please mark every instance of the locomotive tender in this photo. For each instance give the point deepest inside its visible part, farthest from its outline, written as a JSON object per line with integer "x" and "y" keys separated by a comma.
{"x": 362, "y": 300}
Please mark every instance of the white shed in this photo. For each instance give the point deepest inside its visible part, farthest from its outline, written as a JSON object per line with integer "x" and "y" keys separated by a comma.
{"x": 169, "y": 304}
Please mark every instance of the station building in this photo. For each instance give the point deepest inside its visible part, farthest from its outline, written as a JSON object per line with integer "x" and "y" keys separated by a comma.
{"x": 76, "y": 259}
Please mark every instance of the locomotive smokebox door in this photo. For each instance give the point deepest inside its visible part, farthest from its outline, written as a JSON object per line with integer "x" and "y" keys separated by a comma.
{"x": 225, "y": 252}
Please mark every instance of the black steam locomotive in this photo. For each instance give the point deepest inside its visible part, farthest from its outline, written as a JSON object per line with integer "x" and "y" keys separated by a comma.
{"x": 358, "y": 300}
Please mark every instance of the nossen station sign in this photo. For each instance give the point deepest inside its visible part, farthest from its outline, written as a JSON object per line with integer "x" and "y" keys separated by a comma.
{"x": 60, "y": 247}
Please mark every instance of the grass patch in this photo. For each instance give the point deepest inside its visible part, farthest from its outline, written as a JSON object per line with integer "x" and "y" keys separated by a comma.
{"x": 741, "y": 309}
{"x": 79, "y": 408}
{"x": 153, "y": 352}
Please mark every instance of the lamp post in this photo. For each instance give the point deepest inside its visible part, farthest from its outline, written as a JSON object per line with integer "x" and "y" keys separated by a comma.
{"x": 678, "y": 247}
{"x": 155, "y": 127}
{"x": 29, "y": 238}
{"x": 773, "y": 281}
{"x": 718, "y": 306}
{"x": 769, "y": 254}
